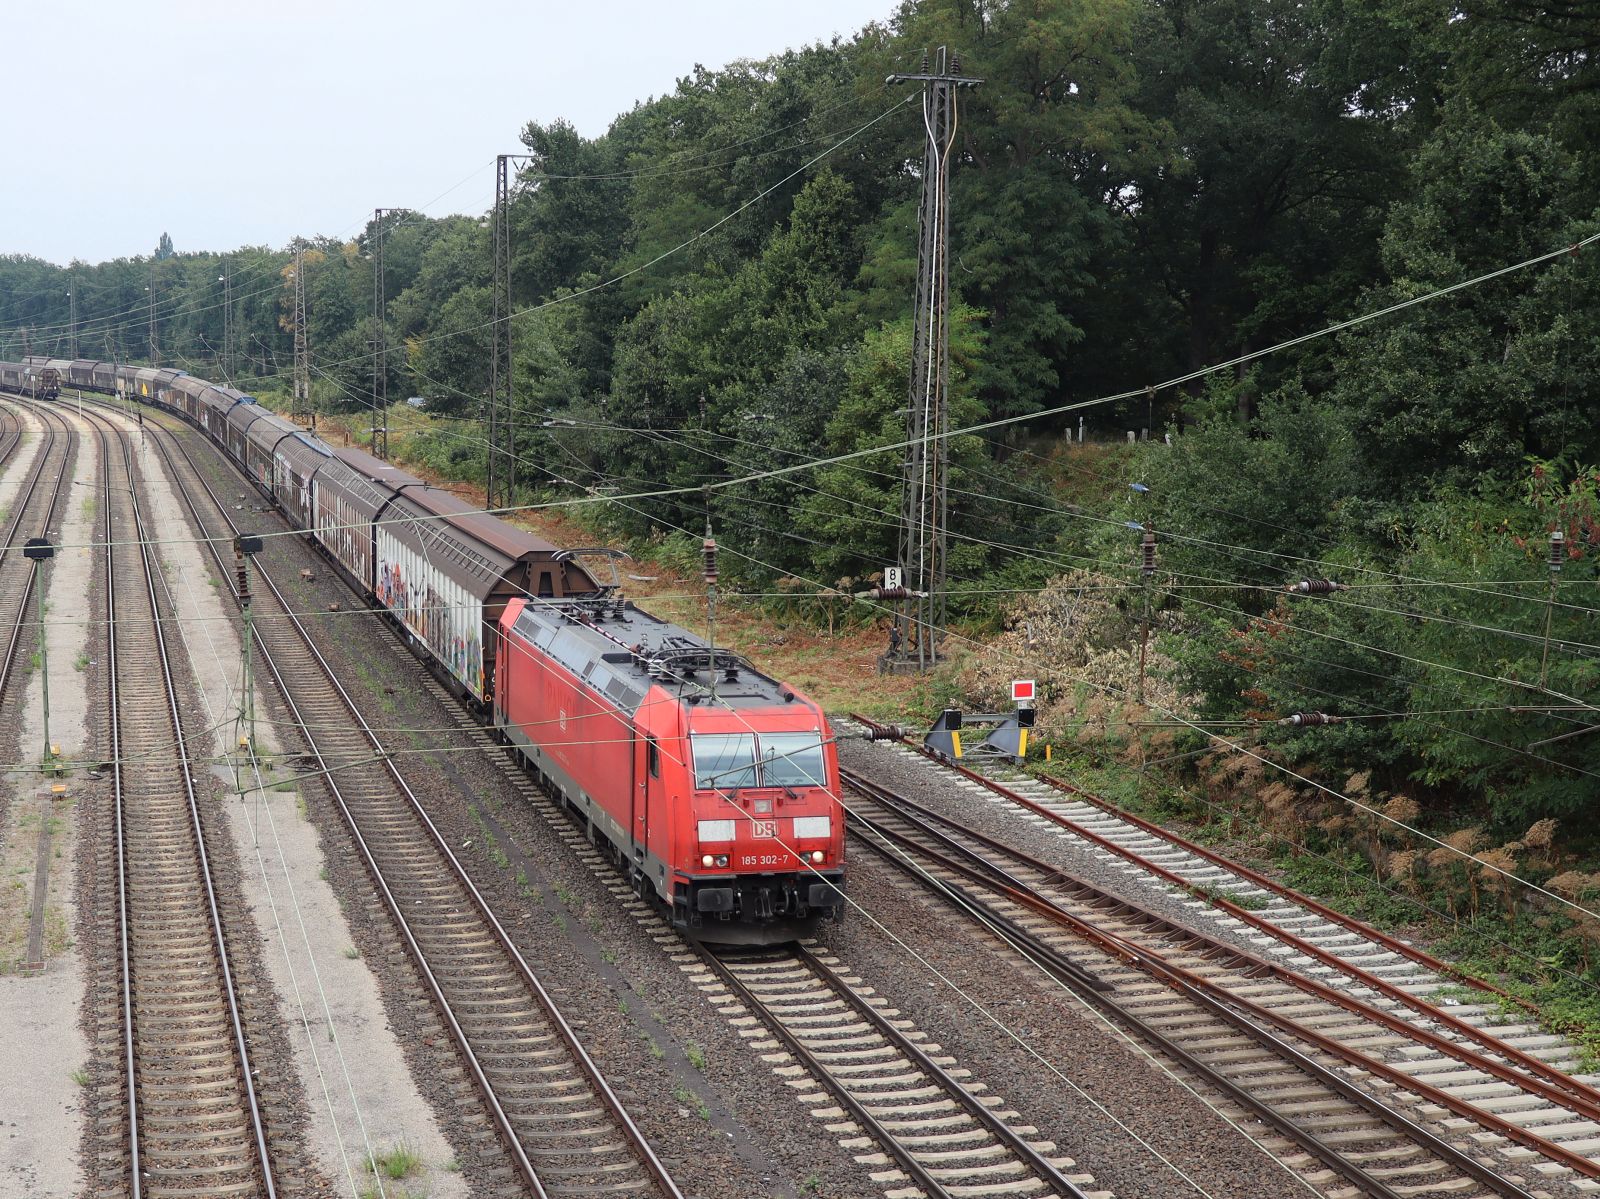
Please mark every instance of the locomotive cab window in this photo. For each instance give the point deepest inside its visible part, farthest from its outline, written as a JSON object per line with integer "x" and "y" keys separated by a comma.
{"x": 725, "y": 761}
{"x": 792, "y": 760}
{"x": 652, "y": 757}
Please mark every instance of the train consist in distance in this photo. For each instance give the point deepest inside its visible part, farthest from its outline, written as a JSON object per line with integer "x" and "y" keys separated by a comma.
{"x": 712, "y": 785}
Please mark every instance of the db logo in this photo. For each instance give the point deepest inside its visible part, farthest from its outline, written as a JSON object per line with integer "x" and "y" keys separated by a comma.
{"x": 561, "y": 716}
{"x": 764, "y": 828}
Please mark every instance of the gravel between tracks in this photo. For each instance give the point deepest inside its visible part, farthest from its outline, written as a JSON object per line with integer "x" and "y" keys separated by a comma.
{"x": 348, "y": 1062}
{"x": 281, "y": 1098}
{"x": 41, "y": 1105}
{"x": 728, "y": 1130}
{"x": 1162, "y": 1113}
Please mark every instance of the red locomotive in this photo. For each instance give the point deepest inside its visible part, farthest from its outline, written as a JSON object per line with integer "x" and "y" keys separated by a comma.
{"x": 712, "y": 785}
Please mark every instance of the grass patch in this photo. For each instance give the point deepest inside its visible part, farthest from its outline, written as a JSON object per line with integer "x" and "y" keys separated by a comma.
{"x": 1250, "y": 903}
{"x": 399, "y": 1162}
{"x": 696, "y": 1055}
{"x": 352, "y": 953}
{"x": 81, "y": 1077}
{"x": 690, "y": 1100}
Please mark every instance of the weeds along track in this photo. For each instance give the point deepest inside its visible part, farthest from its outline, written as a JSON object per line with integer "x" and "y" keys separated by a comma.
{"x": 1231, "y": 1011}
{"x": 194, "y": 1125}
{"x": 563, "y": 1128}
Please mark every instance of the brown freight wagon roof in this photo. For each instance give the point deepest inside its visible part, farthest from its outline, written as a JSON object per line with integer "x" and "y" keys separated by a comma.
{"x": 376, "y": 469}
{"x": 508, "y": 539}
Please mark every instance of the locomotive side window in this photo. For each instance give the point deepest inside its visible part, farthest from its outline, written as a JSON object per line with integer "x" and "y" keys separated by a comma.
{"x": 652, "y": 757}
{"x": 792, "y": 760}
{"x": 724, "y": 760}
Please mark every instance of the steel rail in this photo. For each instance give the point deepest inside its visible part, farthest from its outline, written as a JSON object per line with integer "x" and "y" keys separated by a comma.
{"x": 919, "y": 1173}
{"x": 12, "y": 534}
{"x": 1056, "y": 963}
{"x": 602, "y": 1087}
{"x": 1582, "y": 1097}
{"x": 1214, "y": 996}
{"x": 1534, "y": 1083}
{"x": 10, "y": 432}
{"x": 107, "y": 434}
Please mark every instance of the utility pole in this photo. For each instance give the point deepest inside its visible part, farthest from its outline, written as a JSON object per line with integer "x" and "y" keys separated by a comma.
{"x": 227, "y": 321}
{"x": 245, "y": 547}
{"x": 38, "y": 550}
{"x": 72, "y": 308}
{"x": 1558, "y": 555}
{"x": 502, "y": 417}
{"x": 924, "y": 496}
{"x": 302, "y": 366}
{"x": 708, "y": 551}
{"x": 155, "y": 350}
{"x": 1147, "y": 574}
{"x": 380, "y": 349}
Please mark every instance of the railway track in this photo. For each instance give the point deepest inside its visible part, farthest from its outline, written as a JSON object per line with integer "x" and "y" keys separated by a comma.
{"x": 10, "y": 432}
{"x": 195, "y": 1126}
{"x": 1509, "y": 1095}
{"x": 946, "y": 1132}
{"x": 33, "y": 513}
{"x": 944, "y": 1137}
{"x": 565, "y": 1130}
{"x": 939, "y": 1137}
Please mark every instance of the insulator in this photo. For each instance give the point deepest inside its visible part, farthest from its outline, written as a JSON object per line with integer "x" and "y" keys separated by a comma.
{"x": 1318, "y": 586}
{"x": 891, "y": 593}
{"x": 888, "y": 732}
{"x": 1147, "y": 551}
{"x": 1558, "y": 551}
{"x": 1307, "y": 720}
{"x": 924, "y": 70}
{"x": 708, "y": 549}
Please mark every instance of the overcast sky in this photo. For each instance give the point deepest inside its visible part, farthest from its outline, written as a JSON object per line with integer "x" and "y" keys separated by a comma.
{"x": 243, "y": 122}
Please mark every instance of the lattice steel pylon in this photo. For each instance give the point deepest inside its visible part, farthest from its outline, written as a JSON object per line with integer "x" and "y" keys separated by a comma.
{"x": 502, "y": 475}
{"x": 924, "y": 496}
{"x": 380, "y": 342}
{"x": 302, "y": 362}
{"x": 155, "y": 348}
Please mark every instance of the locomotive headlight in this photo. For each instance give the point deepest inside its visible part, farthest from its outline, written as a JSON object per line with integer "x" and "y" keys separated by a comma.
{"x": 817, "y": 856}
{"x": 707, "y": 860}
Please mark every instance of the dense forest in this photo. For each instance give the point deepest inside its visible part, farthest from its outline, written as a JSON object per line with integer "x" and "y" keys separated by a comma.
{"x": 721, "y": 284}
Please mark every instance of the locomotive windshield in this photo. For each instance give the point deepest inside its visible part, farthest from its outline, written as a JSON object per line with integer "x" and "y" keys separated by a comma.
{"x": 724, "y": 760}
{"x": 792, "y": 760}
{"x": 727, "y": 761}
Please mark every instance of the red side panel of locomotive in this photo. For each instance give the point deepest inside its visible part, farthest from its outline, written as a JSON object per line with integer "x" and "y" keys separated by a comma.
{"x": 724, "y": 803}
